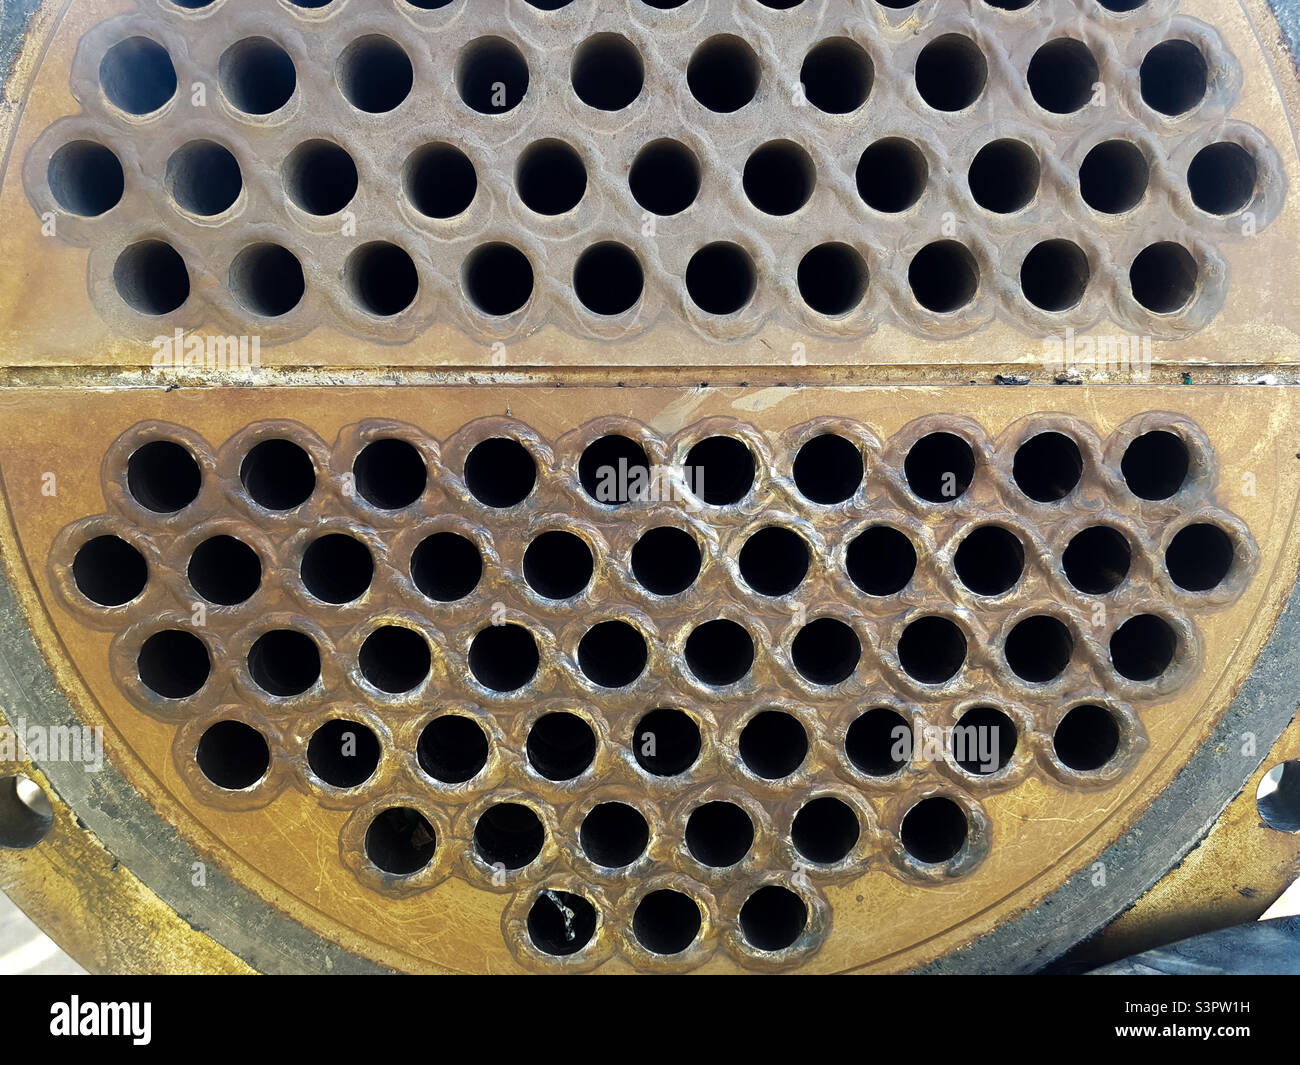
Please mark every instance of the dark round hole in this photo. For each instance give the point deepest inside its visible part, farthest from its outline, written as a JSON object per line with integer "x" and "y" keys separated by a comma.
{"x": 773, "y": 744}
{"x": 320, "y": 177}
{"x": 1055, "y": 275}
{"x": 1199, "y": 557}
{"x": 492, "y": 76}
{"x": 881, "y": 561}
{"x": 614, "y": 835}
{"x": 500, "y": 472}
{"x": 498, "y": 279}
{"x": 375, "y": 74}
{"x": 829, "y": 469}
{"x": 86, "y": 178}
{"x": 879, "y": 742}
{"x": 837, "y": 75}
{"x": 990, "y": 560}
{"x": 719, "y": 834}
{"x": 1114, "y": 176}
{"x": 400, "y": 841}
{"x": 608, "y": 72}
{"x": 174, "y": 664}
{"x": 951, "y": 72}
{"x": 390, "y": 474}
{"x": 1087, "y": 738}
{"x": 1039, "y": 649}
{"x": 1097, "y": 560}
{"x": 446, "y": 567}
{"x": 773, "y": 918}
{"x": 665, "y": 177}
{"x": 163, "y": 477}
{"x": 983, "y": 741}
{"x": 612, "y": 654}
{"x": 779, "y": 177}
{"x": 774, "y": 561}
{"x": 452, "y": 749}
{"x": 232, "y": 755}
{"x": 344, "y": 754}
{"x": 721, "y": 469}
{"x": 940, "y": 467}
{"x": 381, "y": 278}
{"x": 509, "y": 835}
{"x": 337, "y": 568}
{"x": 723, "y": 74}
{"x": 561, "y": 746}
{"x": 1223, "y": 178}
{"x": 1143, "y": 648}
{"x": 1175, "y": 77}
{"x": 1063, "y": 75}
{"x": 440, "y": 181}
{"x": 1048, "y": 467}
{"x": 284, "y": 663}
{"x": 825, "y": 830}
{"x": 257, "y": 76}
{"x": 666, "y": 742}
{"x": 1156, "y": 465}
{"x": 504, "y": 658}
{"x": 109, "y": 572}
{"x": 558, "y": 565}
{"x": 826, "y": 651}
{"x": 204, "y": 178}
{"x": 944, "y": 276}
{"x": 152, "y": 278}
{"x": 395, "y": 659}
{"x": 932, "y": 650}
{"x": 833, "y": 279}
{"x": 551, "y": 177}
{"x": 137, "y": 75}
{"x": 934, "y": 830}
{"x": 1004, "y": 176}
{"x": 561, "y": 923}
{"x": 1277, "y": 798}
{"x": 267, "y": 280}
{"x": 225, "y": 571}
{"x": 615, "y": 470}
{"x": 608, "y": 278}
{"x": 719, "y": 652}
{"x": 721, "y": 278}
{"x": 26, "y": 815}
{"x": 666, "y": 922}
{"x": 278, "y": 475}
{"x": 666, "y": 561}
{"x": 892, "y": 175}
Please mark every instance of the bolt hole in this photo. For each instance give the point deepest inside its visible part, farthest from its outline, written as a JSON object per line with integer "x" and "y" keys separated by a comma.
{"x": 257, "y": 76}
{"x": 837, "y": 76}
{"x": 1200, "y": 557}
{"x": 278, "y": 475}
{"x": 719, "y": 652}
{"x": 932, "y": 650}
{"x": 829, "y": 469}
{"x": 440, "y": 181}
{"x": 719, "y": 834}
{"x": 1063, "y": 76}
{"x": 614, "y": 835}
{"x": 225, "y": 571}
{"x": 446, "y": 567}
{"x": 722, "y": 470}
{"x": 1055, "y": 275}
{"x": 723, "y": 74}
{"x": 561, "y": 746}
{"x": 400, "y": 841}
{"x": 721, "y": 278}
{"x": 1048, "y": 467}
{"x": 612, "y": 654}
{"x": 337, "y": 569}
{"x": 498, "y": 279}
{"x": 773, "y": 918}
{"x": 344, "y": 754}
{"x": 267, "y": 280}
{"x": 390, "y": 474}
{"x": 395, "y": 659}
{"x": 613, "y": 468}
{"x": 204, "y": 178}
{"x": 825, "y": 830}
{"x": 940, "y": 467}
{"x": 826, "y": 652}
{"x": 666, "y": 922}
{"x": 1278, "y": 797}
{"x": 284, "y": 663}
{"x": 233, "y": 756}
{"x": 381, "y": 278}
{"x": 26, "y": 814}
{"x": 1175, "y": 77}
{"x": 881, "y": 561}
{"x": 984, "y": 741}
{"x": 951, "y": 73}
{"x": 944, "y": 277}
{"x": 665, "y": 177}
{"x": 1004, "y": 176}
{"x": 561, "y": 923}
{"x": 774, "y": 561}
{"x": 666, "y": 742}
{"x": 152, "y": 278}
{"x": 666, "y": 561}
{"x": 1156, "y": 465}
{"x": 1114, "y": 177}
{"x": 1087, "y": 738}
{"x": 608, "y": 278}
{"x": 608, "y": 73}
{"x": 492, "y": 76}
{"x": 86, "y": 179}
{"x": 934, "y": 830}
{"x": 877, "y": 742}
{"x": 990, "y": 561}
{"x": 1039, "y": 649}
{"x": 173, "y": 664}
{"x": 1223, "y": 178}
{"x": 1143, "y": 648}
{"x": 833, "y": 279}
{"x": 504, "y": 658}
{"x": 137, "y": 76}
{"x": 452, "y": 749}
{"x": 320, "y": 177}
{"x": 558, "y": 565}
{"x": 1097, "y": 560}
{"x": 773, "y": 744}
{"x": 892, "y": 175}
{"x": 509, "y": 835}
{"x": 375, "y": 74}
{"x": 109, "y": 572}
{"x": 779, "y": 177}
{"x": 500, "y": 472}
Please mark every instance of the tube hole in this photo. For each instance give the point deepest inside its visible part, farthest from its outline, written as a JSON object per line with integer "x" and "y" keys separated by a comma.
{"x": 1063, "y": 76}
{"x": 612, "y": 654}
{"x": 773, "y": 744}
{"x": 152, "y": 278}
{"x": 284, "y": 663}
{"x": 163, "y": 477}
{"x": 344, "y": 754}
{"x": 257, "y": 76}
{"x": 1175, "y": 77}
{"x": 666, "y": 561}
{"x": 932, "y": 650}
{"x": 498, "y": 279}
{"x": 934, "y": 830}
{"x": 615, "y": 470}
{"x": 561, "y": 746}
{"x": 837, "y": 75}
{"x": 833, "y": 279}
{"x": 1039, "y": 649}
{"x": 666, "y": 922}
{"x": 1087, "y": 738}
{"x": 1054, "y": 276}
{"x": 561, "y": 923}
{"x": 665, "y": 177}
{"x": 173, "y": 664}
{"x": 1048, "y": 467}
{"x": 1156, "y": 465}
{"x": 1097, "y": 560}
{"x": 452, "y": 749}
{"x": 1200, "y": 557}
{"x": 879, "y": 742}
{"x": 614, "y": 835}
{"x": 721, "y": 470}
{"x": 509, "y": 835}
{"x": 395, "y": 659}
{"x": 137, "y": 76}
{"x": 983, "y": 741}
{"x": 109, "y": 572}
{"x": 1278, "y": 797}
{"x": 719, "y": 834}
{"x": 337, "y": 569}
{"x": 86, "y": 179}
{"x": 204, "y": 178}
{"x": 723, "y": 74}
{"x": 774, "y": 561}
{"x": 1143, "y": 648}
{"x": 390, "y": 474}
{"x": 558, "y": 565}
{"x": 951, "y": 73}
{"x": 500, "y": 472}
{"x": 829, "y": 469}
{"x": 990, "y": 561}
{"x": 1114, "y": 177}
{"x": 773, "y": 918}
{"x": 608, "y": 278}
{"x": 666, "y": 742}
{"x": 278, "y": 475}
{"x": 440, "y": 181}
{"x": 400, "y": 841}
{"x": 446, "y": 567}
{"x": 551, "y": 178}
{"x": 381, "y": 278}
{"x": 940, "y": 467}
{"x": 881, "y": 561}
{"x": 719, "y": 652}
{"x": 375, "y": 74}
{"x": 492, "y": 76}
{"x": 233, "y": 756}
{"x": 608, "y": 73}
{"x": 1004, "y": 176}
{"x": 825, "y": 830}
{"x": 721, "y": 278}
{"x": 320, "y": 177}
{"x": 26, "y": 815}
{"x": 826, "y": 652}
{"x": 267, "y": 280}
{"x": 779, "y": 177}
{"x": 892, "y": 175}
{"x": 1222, "y": 179}
{"x": 225, "y": 571}
{"x": 944, "y": 277}
{"x": 504, "y": 658}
